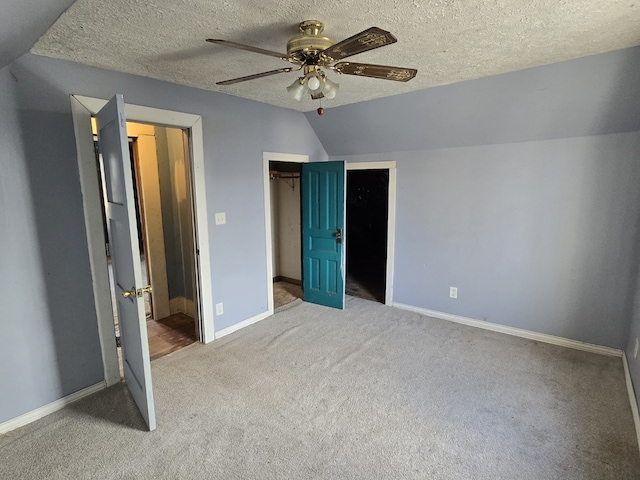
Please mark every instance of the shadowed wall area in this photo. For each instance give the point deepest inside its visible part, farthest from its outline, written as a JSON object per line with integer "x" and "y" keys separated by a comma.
{"x": 519, "y": 189}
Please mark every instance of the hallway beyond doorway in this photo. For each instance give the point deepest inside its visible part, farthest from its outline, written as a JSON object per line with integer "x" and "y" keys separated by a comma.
{"x": 170, "y": 334}
{"x": 285, "y": 293}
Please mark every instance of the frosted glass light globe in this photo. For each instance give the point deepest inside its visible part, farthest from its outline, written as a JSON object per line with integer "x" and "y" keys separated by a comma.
{"x": 313, "y": 83}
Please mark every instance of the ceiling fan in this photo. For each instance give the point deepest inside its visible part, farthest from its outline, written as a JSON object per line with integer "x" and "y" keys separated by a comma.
{"x": 311, "y": 52}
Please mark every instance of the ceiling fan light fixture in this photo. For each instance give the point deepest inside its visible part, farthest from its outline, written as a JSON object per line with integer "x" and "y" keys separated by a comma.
{"x": 330, "y": 88}
{"x": 297, "y": 89}
{"x": 314, "y": 81}
{"x": 311, "y": 52}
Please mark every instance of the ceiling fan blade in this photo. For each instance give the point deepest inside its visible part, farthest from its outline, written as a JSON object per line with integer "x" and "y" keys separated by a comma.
{"x": 249, "y": 48}
{"x": 257, "y": 75}
{"x": 399, "y": 74}
{"x": 369, "y": 39}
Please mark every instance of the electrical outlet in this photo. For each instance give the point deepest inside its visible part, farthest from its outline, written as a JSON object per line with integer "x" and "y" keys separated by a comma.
{"x": 635, "y": 349}
{"x": 453, "y": 292}
{"x": 219, "y": 309}
{"x": 221, "y": 218}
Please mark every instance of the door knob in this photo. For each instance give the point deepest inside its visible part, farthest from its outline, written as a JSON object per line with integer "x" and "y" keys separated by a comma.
{"x": 338, "y": 235}
{"x": 139, "y": 292}
{"x": 144, "y": 290}
{"x": 129, "y": 293}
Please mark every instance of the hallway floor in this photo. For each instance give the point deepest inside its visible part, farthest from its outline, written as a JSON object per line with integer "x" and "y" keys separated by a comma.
{"x": 170, "y": 334}
{"x": 359, "y": 287}
{"x": 285, "y": 292}
{"x": 365, "y": 283}
{"x": 356, "y": 286}
{"x": 166, "y": 335}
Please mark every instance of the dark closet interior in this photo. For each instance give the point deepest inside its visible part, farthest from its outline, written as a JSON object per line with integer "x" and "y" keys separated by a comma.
{"x": 367, "y": 217}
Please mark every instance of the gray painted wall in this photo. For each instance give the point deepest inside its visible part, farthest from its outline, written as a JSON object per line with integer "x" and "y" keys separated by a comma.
{"x": 536, "y": 235}
{"x": 516, "y": 189}
{"x": 50, "y": 345}
{"x": 586, "y": 96}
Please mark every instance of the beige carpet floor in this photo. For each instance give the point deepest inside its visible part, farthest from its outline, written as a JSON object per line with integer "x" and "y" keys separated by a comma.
{"x": 370, "y": 392}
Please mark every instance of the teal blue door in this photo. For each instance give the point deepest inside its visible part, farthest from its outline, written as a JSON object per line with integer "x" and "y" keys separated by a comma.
{"x": 322, "y": 231}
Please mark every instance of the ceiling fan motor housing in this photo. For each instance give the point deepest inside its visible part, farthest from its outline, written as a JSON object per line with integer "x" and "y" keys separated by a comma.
{"x": 310, "y": 43}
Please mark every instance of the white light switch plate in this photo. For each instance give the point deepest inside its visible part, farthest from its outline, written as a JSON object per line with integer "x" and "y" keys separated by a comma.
{"x": 219, "y": 309}
{"x": 453, "y": 292}
{"x": 221, "y": 218}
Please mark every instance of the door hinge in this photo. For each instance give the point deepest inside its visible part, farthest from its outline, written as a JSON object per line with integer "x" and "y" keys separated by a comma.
{"x": 107, "y": 249}
{"x": 118, "y": 343}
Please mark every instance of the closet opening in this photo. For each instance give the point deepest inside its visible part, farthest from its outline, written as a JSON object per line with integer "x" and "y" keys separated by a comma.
{"x": 367, "y": 200}
{"x": 286, "y": 241}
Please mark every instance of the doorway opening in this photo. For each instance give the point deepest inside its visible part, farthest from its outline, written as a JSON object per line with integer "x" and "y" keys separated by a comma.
{"x": 367, "y": 205}
{"x": 272, "y": 243}
{"x": 284, "y": 190}
{"x": 160, "y": 172}
{"x": 82, "y": 109}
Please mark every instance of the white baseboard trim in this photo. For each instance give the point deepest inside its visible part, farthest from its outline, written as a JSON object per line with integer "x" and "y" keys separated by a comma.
{"x": 632, "y": 397}
{"x": 244, "y": 323}
{"x": 45, "y": 410}
{"x": 517, "y": 332}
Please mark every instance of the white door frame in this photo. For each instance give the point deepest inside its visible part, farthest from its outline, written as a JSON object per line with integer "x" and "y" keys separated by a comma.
{"x": 266, "y": 158}
{"x": 391, "y": 219}
{"x": 82, "y": 110}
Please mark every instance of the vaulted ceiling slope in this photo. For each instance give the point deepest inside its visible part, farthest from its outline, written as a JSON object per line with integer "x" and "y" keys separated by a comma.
{"x": 448, "y": 41}
{"x": 22, "y": 22}
{"x": 594, "y": 95}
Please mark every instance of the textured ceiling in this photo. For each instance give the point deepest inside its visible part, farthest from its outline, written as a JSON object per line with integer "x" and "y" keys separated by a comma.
{"x": 446, "y": 40}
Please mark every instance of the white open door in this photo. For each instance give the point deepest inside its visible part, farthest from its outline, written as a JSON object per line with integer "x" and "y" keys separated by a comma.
{"x": 125, "y": 254}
